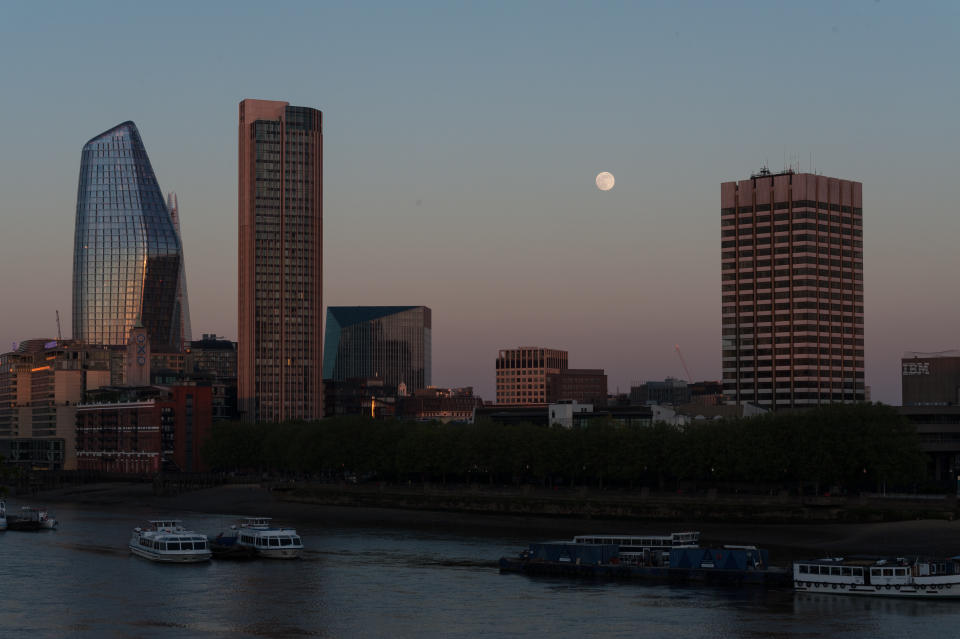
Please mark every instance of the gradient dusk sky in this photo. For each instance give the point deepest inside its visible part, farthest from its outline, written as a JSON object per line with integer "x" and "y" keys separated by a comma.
{"x": 461, "y": 144}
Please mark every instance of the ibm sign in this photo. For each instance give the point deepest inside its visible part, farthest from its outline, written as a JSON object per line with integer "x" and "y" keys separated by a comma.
{"x": 916, "y": 368}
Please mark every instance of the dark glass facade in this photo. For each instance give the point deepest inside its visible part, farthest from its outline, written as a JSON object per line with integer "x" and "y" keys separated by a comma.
{"x": 183, "y": 304}
{"x": 127, "y": 254}
{"x": 391, "y": 343}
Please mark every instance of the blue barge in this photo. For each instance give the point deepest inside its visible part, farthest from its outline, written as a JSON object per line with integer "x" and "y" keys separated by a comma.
{"x": 728, "y": 565}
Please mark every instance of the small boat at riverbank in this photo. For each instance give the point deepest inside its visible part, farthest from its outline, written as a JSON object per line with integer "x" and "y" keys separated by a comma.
{"x": 226, "y": 547}
{"x": 167, "y": 541}
{"x": 32, "y": 519}
{"x": 926, "y": 578}
{"x": 3, "y": 515}
{"x": 258, "y": 534}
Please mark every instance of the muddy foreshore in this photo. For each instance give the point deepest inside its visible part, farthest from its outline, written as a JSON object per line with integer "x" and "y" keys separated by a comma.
{"x": 785, "y": 540}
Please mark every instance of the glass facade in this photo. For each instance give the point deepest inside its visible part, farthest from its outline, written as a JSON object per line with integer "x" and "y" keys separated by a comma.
{"x": 183, "y": 304}
{"x": 127, "y": 254}
{"x": 387, "y": 342}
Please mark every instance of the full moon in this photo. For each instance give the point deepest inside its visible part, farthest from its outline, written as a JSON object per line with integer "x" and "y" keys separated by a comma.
{"x": 605, "y": 181}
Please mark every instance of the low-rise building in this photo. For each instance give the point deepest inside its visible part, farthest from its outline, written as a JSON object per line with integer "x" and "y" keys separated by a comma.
{"x": 143, "y": 430}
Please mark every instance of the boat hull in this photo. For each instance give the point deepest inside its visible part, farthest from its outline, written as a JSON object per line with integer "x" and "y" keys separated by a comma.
{"x": 232, "y": 551}
{"x": 279, "y": 553}
{"x": 932, "y": 591}
{"x": 170, "y": 557}
{"x": 14, "y": 523}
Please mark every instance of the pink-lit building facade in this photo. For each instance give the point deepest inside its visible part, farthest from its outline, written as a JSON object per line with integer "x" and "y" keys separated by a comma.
{"x": 792, "y": 290}
{"x": 280, "y": 301}
{"x": 522, "y": 373}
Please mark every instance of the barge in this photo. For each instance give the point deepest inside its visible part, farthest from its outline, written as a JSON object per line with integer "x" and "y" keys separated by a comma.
{"x": 727, "y": 565}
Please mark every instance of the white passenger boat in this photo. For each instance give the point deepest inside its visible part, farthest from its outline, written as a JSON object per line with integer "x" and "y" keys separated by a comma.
{"x": 267, "y": 541}
{"x": 41, "y": 515}
{"x": 644, "y": 549}
{"x": 31, "y": 518}
{"x": 895, "y": 577}
{"x": 166, "y": 540}
{"x": 3, "y": 515}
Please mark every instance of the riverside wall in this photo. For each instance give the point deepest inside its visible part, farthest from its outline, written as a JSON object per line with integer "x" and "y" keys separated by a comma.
{"x": 642, "y": 505}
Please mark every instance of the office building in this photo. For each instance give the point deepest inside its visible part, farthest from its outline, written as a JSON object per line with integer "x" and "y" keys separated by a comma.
{"x": 931, "y": 379}
{"x": 670, "y": 391}
{"x": 127, "y": 257}
{"x": 212, "y": 361}
{"x": 582, "y": 385}
{"x": 391, "y": 343}
{"x": 143, "y": 430}
{"x": 280, "y": 262}
{"x": 792, "y": 290}
{"x": 522, "y": 374}
{"x": 183, "y": 302}
{"x": 41, "y": 383}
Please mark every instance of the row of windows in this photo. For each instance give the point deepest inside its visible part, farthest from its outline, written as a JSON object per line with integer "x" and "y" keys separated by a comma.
{"x": 797, "y": 204}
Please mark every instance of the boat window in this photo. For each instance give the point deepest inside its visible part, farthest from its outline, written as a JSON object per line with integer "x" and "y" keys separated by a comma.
{"x": 285, "y": 541}
{"x": 200, "y": 545}
{"x": 846, "y": 572}
{"x": 296, "y": 541}
{"x": 835, "y": 570}
{"x": 260, "y": 541}
{"x": 888, "y": 572}
{"x": 274, "y": 541}
{"x": 173, "y": 545}
{"x": 804, "y": 570}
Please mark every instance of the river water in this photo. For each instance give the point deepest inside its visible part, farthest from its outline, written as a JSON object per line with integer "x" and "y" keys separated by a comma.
{"x": 80, "y": 581}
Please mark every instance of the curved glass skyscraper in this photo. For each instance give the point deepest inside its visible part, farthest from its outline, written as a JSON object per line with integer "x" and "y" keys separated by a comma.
{"x": 127, "y": 253}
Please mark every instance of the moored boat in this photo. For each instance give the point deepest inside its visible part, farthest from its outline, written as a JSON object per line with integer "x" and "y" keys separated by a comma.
{"x": 31, "y": 518}
{"x": 167, "y": 541}
{"x": 3, "y": 515}
{"x": 734, "y": 565}
{"x": 927, "y": 578}
{"x": 226, "y": 547}
{"x": 258, "y": 533}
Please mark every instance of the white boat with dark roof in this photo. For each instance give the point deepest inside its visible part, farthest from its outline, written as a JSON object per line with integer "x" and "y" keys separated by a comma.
{"x": 167, "y": 541}
{"x": 928, "y": 578}
{"x": 267, "y": 541}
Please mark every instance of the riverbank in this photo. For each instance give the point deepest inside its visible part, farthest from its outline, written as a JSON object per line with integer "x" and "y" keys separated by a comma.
{"x": 786, "y": 540}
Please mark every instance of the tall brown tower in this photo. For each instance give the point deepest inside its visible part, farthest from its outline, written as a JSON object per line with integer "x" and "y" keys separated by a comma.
{"x": 792, "y": 290}
{"x": 280, "y": 360}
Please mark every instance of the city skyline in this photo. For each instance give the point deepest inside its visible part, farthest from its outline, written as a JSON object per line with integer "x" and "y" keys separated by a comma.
{"x": 465, "y": 181}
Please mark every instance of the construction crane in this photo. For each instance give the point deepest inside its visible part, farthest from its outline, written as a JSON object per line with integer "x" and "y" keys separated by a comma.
{"x": 684, "y": 362}
{"x": 59, "y": 334}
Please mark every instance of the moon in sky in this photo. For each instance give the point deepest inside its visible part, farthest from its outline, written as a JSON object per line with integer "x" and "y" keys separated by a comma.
{"x": 605, "y": 181}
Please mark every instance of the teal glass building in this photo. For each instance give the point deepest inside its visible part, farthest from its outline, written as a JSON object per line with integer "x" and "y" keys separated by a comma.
{"x": 127, "y": 254}
{"x": 391, "y": 343}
